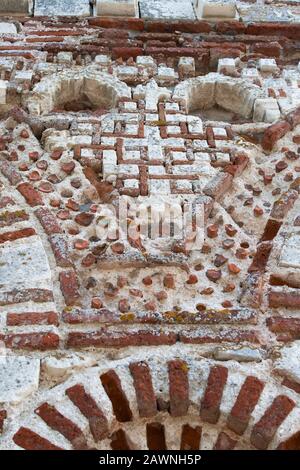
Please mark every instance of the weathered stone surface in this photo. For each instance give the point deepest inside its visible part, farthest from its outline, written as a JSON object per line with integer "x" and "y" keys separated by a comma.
{"x": 288, "y": 364}
{"x": 117, "y": 8}
{"x": 19, "y": 378}
{"x": 155, "y": 9}
{"x": 62, "y": 8}
{"x": 15, "y": 6}
{"x": 242, "y": 354}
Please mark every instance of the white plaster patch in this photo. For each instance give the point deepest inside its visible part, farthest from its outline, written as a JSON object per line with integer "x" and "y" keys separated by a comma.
{"x": 19, "y": 377}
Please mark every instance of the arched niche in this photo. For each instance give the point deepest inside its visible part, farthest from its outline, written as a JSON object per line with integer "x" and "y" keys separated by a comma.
{"x": 214, "y": 90}
{"x": 76, "y": 90}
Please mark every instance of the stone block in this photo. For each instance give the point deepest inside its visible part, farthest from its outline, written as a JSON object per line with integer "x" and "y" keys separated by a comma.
{"x": 117, "y": 8}
{"x": 266, "y": 110}
{"x": 8, "y": 28}
{"x": 215, "y": 8}
{"x": 186, "y": 66}
{"x": 17, "y": 7}
{"x": 226, "y": 65}
{"x": 267, "y": 65}
{"x": 173, "y": 9}
{"x": 62, "y": 8}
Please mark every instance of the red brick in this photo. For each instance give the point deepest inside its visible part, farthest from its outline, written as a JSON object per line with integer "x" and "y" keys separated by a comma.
{"x": 106, "y": 339}
{"x": 261, "y": 257}
{"x": 120, "y": 441}
{"x": 274, "y": 133}
{"x": 126, "y": 52}
{"x": 291, "y": 30}
{"x": 218, "y": 185}
{"x": 29, "y": 440}
{"x": 269, "y": 49}
{"x": 156, "y": 436}
{"x": 210, "y": 336}
{"x": 10, "y": 218}
{"x": 3, "y": 416}
{"x": 294, "y": 118}
{"x": 113, "y": 387}
{"x": 32, "y": 341}
{"x": 284, "y": 204}
{"x": 230, "y": 27}
{"x": 178, "y": 387}
{"x": 10, "y": 173}
{"x": 185, "y": 26}
{"x": 48, "y": 221}
{"x": 264, "y": 431}
{"x": 60, "y": 250}
{"x": 16, "y": 235}
{"x": 55, "y": 420}
{"x": 78, "y": 316}
{"x": 210, "y": 404}
{"x": 32, "y": 196}
{"x": 287, "y": 328}
{"x": 288, "y": 299}
{"x": 245, "y": 403}
{"x": 291, "y": 384}
{"x": 133, "y": 24}
{"x": 224, "y": 442}
{"x": 32, "y": 318}
{"x": 69, "y": 286}
{"x": 190, "y": 437}
{"x": 89, "y": 408}
{"x": 27, "y": 295}
{"x": 293, "y": 443}
{"x": 145, "y": 395}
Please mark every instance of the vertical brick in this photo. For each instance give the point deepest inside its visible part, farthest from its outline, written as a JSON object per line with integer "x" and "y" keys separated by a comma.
{"x": 145, "y": 395}
{"x": 69, "y": 286}
{"x": 245, "y": 403}
{"x": 113, "y": 388}
{"x": 55, "y": 420}
{"x": 190, "y": 437}
{"x": 156, "y": 436}
{"x": 120, "y": 441}
{"x": 178, "y": 387}
{"x": 89, "y": 408}
{"x": 210, "y": 405}
{"x": 3, "y": 416}
{"x": 264, "y": 431}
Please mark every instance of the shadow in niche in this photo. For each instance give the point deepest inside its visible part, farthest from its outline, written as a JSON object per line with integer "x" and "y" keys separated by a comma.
{"x": 218, "y": 114}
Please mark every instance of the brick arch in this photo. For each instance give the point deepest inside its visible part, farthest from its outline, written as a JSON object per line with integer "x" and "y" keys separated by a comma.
{"x": 177, "y": 404}
{"x": 232, "y": 94}
{"x": 75, "y": 90}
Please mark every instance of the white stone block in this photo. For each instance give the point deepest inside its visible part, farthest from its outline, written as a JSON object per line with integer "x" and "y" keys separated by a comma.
{"x": 3, "y": 86}
{"x": 8, "y": 28}
{"x": 267, "y": 65}
{"x": 226, "y": 65}
{"x": 186, "y": 66}
{"x": 23, "y": 76}
{"x": 62, "y": 8}
{"x": 102, "y": 59}
{"x": 117, "y": 8}
{"x": 266, "y": 109}
{"x": 170, "y": 9}
{"x": 65, "y": 58}
{"x": 215, "y": 8}
{"x": 19, "y": 378}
